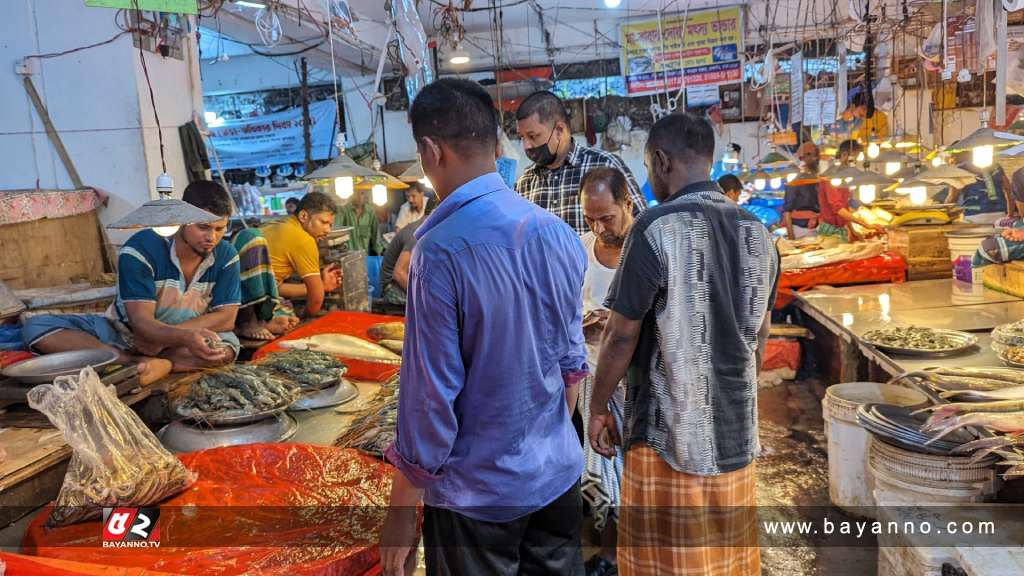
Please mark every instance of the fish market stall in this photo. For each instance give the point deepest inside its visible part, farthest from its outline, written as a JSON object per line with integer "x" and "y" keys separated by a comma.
{"x": 840, "y": 317}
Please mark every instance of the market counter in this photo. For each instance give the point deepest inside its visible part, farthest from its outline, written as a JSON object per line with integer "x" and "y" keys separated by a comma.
{"x": 845, "y": 314}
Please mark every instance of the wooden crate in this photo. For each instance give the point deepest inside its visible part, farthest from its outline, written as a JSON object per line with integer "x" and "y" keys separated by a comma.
{"x": 1006, "y": 278}
{"x": 925, "y": 249}
{"x": 52, "y": 252}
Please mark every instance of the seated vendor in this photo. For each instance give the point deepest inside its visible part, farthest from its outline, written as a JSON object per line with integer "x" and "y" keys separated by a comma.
{"x": 800, "y": 207}
{"x": 176, "y": 300}
{"x": 394, "y": 267}
{"x": 293, "y": 252}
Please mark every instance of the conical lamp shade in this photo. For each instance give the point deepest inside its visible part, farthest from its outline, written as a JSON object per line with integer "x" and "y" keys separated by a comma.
{"x": 775, "y": 160}
{"x": 165, "y": 212}
{"x": 413, "y": 173}
{"x": 985, "y": 137}
{"x": 946, "y": 174}
{"x": 388, "y": 180}
{"x": 342, "y": 166}
{"x": 865, "y": 178}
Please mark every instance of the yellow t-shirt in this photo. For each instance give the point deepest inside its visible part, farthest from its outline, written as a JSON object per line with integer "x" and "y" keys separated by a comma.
{"x": 873, "y": 129}
{"x": 292, "y": 250}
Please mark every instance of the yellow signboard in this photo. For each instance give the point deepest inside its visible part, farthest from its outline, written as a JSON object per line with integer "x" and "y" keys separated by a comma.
{"x": 701, "y": 46}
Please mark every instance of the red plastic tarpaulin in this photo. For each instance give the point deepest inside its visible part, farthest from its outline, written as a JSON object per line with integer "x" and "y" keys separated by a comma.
{"x": 350, "y": 323}
{"x": 886, "y": 267}
{"x": 781, "y": 353}
{"x": 269, "y": 509}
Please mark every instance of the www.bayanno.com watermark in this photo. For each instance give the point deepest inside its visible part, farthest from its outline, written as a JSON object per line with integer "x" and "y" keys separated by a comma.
{"x": 980, "y": 525}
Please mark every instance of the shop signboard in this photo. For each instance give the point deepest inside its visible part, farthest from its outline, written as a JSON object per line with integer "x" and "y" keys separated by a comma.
{"x": 170, "y": 6}
{"x": 699, "y": 47}
{"x": 275, "y": 138}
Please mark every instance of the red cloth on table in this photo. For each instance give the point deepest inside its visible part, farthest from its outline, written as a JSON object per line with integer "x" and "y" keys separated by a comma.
{"x": 781, "y": 353}
{"x": 13, "y": 357}
{"x": 886, "y": 267}
{"x": 269, "y": 509}
{"x": 350, "y": 323}
{"x": 21, "y": 565}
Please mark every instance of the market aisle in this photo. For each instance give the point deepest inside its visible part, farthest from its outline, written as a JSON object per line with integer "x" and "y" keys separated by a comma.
{"x": 793, "y": 471}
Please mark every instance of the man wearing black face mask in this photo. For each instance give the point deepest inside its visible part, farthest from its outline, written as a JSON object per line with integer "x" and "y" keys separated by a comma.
{"x": 559, "y": 163}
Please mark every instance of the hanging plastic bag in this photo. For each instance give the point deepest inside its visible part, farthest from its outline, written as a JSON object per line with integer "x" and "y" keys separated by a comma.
{"x": 116, "y": 460}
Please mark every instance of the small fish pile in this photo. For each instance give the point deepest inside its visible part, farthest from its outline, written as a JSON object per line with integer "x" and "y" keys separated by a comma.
{"x": 911, "y": 338}
{"x": 373, "y": 429}
{"x": 238, "y": 389}
{"x": 310, "y": 369}
{"x": 1011, "y": 334}
{"x": 989, "y": 399}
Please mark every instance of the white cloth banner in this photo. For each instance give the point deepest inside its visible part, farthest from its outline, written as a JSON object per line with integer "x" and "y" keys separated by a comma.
{"x": 275, "y": 138}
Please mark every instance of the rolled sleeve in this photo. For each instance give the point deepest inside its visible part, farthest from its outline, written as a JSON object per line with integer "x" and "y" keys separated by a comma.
{"x": 432, "y": 376}
{"x": 637, "y": 280}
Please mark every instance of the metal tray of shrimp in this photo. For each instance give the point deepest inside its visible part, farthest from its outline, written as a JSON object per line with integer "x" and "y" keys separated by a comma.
{"x": 234, "y": 417}
{"x": 962, "y": 342}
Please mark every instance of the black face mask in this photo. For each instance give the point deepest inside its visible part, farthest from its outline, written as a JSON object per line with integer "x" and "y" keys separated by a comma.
{"x": 542, "y": 155}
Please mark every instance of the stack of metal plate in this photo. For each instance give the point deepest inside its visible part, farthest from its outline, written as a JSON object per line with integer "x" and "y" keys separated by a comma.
{"x": 340, "y": 392}
{"x": 896, "y": 425}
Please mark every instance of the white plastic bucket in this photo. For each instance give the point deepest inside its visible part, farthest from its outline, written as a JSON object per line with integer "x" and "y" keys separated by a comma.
{"x": 961, "y": 251}
{"x": 848, "y": 474}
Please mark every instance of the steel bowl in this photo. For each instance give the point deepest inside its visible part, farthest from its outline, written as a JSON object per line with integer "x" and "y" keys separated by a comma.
{"x": 233, "y": 417}
{"x": 44, "y": 369}
{"x": 336, "y": 395}
{"x": 181, "y": 436}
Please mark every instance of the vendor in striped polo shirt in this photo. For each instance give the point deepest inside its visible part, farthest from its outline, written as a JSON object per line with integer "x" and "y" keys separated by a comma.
{"x": 177, "y": 298}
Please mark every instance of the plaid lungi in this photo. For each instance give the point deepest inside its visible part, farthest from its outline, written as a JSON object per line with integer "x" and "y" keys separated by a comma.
{"x": 679, "y": 524}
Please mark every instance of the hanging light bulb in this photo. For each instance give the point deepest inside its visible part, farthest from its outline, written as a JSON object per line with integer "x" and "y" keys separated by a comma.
{"x": 918, "y": 195}
{"x": 776, "y": 182}
{"x": 612, "y": 3}
{"x": 860, "y": 157}
{"x": 759, "y": 184}
{"x": 166, "y": 231}
{"x": 426, "y": 182}
{"x": 982, "y": 156}
{"x": 892, "y": 168}
{"x": 791, "y": 176}
{"x": 836, "y": 181}
{"x": 344, "y": 187}
{"x": 867, "y": 193}
{"x": 379, "y": 194}
{"x": 937, "y": 161}
{"x": 874, "y": 150}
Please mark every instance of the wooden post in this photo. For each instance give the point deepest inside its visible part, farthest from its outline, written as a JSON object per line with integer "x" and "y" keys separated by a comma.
{"x": 307, "y": 142}
{"x": 1001, "y": 60}
{"x": 52, "y": 133}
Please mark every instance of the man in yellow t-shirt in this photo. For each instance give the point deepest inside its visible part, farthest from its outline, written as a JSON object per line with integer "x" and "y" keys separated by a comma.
{"x": 867, "y": 129}
{"x": 293, "y": 251}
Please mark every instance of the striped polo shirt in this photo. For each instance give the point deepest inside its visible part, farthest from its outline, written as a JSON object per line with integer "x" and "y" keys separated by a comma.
{"x": 149, "y": 271}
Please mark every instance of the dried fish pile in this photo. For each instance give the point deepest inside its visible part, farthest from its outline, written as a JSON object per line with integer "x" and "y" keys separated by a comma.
{"x": 989, "y": 399}
{"x": 307, "y": 368}
{"x": 238, "y": 389}
{"x": 911, "y": 338}
{"x": 373, "y": 430}
{"x": 1013, "y": 354}
{"x": 1011, "y": 334}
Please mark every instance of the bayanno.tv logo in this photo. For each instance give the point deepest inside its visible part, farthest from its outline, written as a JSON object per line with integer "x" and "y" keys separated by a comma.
{"x": 131, "y": 527}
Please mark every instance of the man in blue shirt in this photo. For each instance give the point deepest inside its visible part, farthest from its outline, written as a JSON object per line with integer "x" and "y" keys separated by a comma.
{"x": 494, "y": 351}
{"x": 177, "y": 298}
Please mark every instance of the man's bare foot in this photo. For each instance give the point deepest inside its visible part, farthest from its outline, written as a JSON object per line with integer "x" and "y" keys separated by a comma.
{"x": 281, "y": 324}
{"x": 254, "y": 333}
{"x": 152, "y": 369}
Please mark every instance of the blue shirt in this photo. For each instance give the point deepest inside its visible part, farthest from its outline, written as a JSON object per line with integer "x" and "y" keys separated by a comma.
{"x": 149, "y": 271}
{"x": 493, "y": 337}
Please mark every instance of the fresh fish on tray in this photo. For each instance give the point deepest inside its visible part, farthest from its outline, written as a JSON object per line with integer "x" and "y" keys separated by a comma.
{"x": 345, "y": 346}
